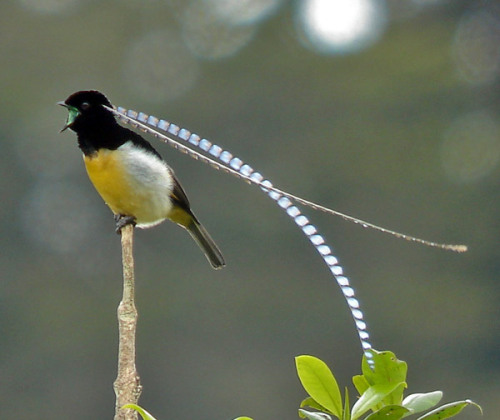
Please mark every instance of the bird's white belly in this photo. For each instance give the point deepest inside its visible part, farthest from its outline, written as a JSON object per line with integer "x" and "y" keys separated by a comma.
{"x": 132, "y": 182}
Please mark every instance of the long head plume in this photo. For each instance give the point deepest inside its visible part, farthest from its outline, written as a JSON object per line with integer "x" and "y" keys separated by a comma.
{"x": 225, "y": 161}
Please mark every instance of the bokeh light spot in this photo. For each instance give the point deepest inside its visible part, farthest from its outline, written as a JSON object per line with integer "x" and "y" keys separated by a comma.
{"x": 341, "y": 26}
{"x": 471, "y": 147}
{"x": 50, "y": 7}
{"x": 243, "y": 12}
{"x": 57, "y": 216}
{"x": 476, "y": 47}
{"x": 209, "y": 35}
{"x": 427, "y": 2}
{"x": 157, "y": 67}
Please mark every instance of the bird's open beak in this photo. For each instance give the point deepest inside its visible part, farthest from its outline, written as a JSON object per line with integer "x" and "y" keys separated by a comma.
{"x": 72, "y": 114}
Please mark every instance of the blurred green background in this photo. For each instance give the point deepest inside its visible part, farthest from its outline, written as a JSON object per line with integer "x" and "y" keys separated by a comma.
{"x": 388, "y": 111}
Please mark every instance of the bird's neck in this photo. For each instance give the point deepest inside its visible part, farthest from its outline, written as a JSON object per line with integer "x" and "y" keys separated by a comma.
{"x": 109, "y": 136}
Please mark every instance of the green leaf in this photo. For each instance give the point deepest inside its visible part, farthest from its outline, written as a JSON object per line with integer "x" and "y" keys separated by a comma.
{"x": 417, "y": 403}
{"x": 144, "y": 414}
{"x": 319, "y": 382}
{"x": 387, "y": 370}
{"x": 360, "y": 383}
{"x": 347, "y": 407}
{"x": 311, "y": 415}
{"x": 373, "y": 396}
{"x": 389, "y": 412}
{"x": 312, "y": 403}
{"x": 449, "y": 410}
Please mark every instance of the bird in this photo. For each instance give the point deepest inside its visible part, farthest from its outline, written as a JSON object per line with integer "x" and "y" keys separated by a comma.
{"x": 129, "y": 174}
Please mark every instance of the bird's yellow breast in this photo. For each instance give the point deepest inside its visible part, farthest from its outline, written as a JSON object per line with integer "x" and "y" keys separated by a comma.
{"x": 110, "y": 179}
{"x": 131, "y": 183}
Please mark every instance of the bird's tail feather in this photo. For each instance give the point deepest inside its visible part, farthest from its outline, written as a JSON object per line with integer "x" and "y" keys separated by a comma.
{"x": 206, "y": 243}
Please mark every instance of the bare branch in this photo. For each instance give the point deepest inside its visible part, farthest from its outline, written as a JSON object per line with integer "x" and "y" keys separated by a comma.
{"x": 127, "y": 385}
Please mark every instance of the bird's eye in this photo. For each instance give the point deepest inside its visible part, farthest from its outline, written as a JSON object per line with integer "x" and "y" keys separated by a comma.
{"x": 84, "y": 106}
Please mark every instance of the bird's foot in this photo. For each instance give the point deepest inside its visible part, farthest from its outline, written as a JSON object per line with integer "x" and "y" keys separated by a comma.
{"x": 122, "y": 220}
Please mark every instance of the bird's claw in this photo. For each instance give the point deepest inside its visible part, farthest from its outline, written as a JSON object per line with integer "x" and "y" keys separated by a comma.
{"x": 122, "y": 220}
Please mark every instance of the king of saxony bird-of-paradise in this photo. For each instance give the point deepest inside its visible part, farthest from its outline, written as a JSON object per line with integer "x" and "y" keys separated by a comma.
{"x": 129, "y": 174}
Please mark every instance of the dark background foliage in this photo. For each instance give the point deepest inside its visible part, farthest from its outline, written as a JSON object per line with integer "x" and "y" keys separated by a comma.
{"x": 402, "y": 130}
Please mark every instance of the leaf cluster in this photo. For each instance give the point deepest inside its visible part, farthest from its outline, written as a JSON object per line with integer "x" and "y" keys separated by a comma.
{"x": 380, "y": 386}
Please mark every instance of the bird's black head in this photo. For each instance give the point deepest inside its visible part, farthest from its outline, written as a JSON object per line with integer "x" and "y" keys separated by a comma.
{"x": 86, "y": 111}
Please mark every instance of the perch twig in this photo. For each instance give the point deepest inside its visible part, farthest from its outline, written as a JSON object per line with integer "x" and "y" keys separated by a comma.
{"x": 127, "y": 385}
